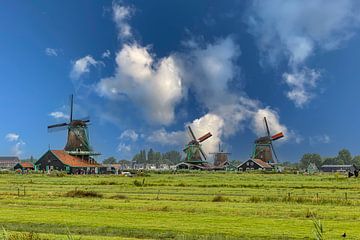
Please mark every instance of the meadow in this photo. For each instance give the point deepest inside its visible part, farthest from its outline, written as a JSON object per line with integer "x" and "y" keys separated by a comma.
{"x": 193, "y": 205}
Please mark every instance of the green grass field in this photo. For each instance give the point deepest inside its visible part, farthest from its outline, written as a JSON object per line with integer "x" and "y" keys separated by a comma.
{"x": 182, "y": 206}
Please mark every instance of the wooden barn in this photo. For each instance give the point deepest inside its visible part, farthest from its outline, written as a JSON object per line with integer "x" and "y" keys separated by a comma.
{"x": 8, "y": 162}
{"x": 62, "y": 161}
{"x": 254, "y": 164}
{"x": 24, "y": 166}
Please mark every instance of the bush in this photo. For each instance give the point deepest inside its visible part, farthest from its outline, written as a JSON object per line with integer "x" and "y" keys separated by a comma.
{"x": 119, "y": 196}
{"x": 57, "y": 173}
{"x": 81, "y": 193}
{"x": 220, "y": 198}
{"x": 20, "y": 236}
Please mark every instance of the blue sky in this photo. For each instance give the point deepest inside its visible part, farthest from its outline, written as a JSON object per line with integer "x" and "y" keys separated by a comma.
{"x": 143, "y": 70}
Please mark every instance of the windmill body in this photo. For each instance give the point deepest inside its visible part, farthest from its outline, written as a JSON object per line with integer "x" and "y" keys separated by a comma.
{"x": 221, "y": 158}
{"x": 78, "y": 136}
{"x": 193, "y": 150}
{"x": 264, "y": 149}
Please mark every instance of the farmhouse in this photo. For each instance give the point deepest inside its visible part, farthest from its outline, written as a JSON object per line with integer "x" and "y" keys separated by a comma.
{"x": 337, "y": 168}
{"x": 23, "y": 166}
{"x": 8, "y": 162}
{"x": 62, "y": 161}
{"x": 254, "y": 164}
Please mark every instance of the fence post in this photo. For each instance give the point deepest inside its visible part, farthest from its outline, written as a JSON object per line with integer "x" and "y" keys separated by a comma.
{"x": 346, "y": 197}
{"x": 18, "y": 192}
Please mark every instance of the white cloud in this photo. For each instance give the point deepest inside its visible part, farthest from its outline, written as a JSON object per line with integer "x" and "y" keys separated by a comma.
{"x": 272, "y": 118}
{"x": 129, "y": 134}
{"x": 106, "y": 54}
{"x": 155, "y": 85}
{"x": 319, "y": 139}
{"x": 124, "y": 148}
{"x": 293, "y": 31}
{"x": 209, "y": 123}
{"x": 17, "y": 149}
{"x": 121, "y": 14}
{"x": 82, "y": 66}
{"x": 59, "y": 115}
{"x": 301, "y": 83}
{"x": 162, "y": 137}
{"x": 12, "y": 137}
{"x": 52, "y": 52}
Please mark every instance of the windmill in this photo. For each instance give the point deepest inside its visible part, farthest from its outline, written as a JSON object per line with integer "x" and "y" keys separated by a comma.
{"x": 193, "y": 149}
{"x": 221, "y": 157}
{"x": 264, "y": 149}
{"x": 78, "y": 135}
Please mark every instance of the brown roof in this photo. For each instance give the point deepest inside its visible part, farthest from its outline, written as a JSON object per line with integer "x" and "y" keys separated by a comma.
{"x": 27, "y": 165}
{"x": 262, "y": 163}
{"x": 71, "y": 160}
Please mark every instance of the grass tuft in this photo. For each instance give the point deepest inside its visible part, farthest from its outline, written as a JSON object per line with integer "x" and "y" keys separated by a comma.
{"x": 220, "y": 198}
{"x": 81, "y": 194}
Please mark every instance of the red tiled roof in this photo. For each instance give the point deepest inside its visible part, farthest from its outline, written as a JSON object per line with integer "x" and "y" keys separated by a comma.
{"x": 27, "y": 165}
{"x": 262, "y": 163}
{"x": 72, "y": 161}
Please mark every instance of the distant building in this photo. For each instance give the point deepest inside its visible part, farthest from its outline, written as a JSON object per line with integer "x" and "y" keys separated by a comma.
{"x": 8, "y": 162}
{"x": 254, "y": 164}
{"x": 337, "y": 168}
{"x": 24, "y": 166}
{"x": 62, "y": 161}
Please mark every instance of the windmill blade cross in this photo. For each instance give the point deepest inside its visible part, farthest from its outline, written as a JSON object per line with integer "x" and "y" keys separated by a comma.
{"x": 276, "y": 160}
{"x": 202, "y": 153}
{"x": 206, "y": 136}
{"x": 192, "y": 133}
{"x": 267, "y": 127}
{"x": 57, "y": 125}
{"x": 71, "y": 107}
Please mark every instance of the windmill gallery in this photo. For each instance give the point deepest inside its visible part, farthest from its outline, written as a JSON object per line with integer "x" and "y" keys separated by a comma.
{"x": 78, "y": 157}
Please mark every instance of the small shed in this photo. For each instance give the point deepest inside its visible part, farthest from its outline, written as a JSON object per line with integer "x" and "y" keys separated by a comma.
{"x": 23, "y": 166}
{"x": 254, "y": 164}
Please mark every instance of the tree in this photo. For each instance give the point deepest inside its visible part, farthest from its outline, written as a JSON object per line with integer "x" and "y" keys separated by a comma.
{"x": 329, "y": 161}
{"x": 310, "y": 158}
{"x": 344, "y": 157}
{"x": 171, "y": 157}
{"x": 356, "y": 161}
{"x": 110, "y": 160}
{"x": 150, "y": 156}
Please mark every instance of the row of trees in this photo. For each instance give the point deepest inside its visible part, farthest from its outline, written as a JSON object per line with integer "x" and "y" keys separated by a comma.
{"x": 150, "y": 157}
{"x": 154, "y": 157}
{"x": 343, "y": 157}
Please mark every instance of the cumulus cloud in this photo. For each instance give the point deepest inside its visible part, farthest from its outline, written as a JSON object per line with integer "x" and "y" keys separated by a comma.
{"x": 52, "y": 52}
{"x": 129, "y": 134}
{"x": 300, "y": 84}
{"x": 319, "y": 139}
{"x": 124, "y": 148}
{"x": 272, "y": 118}
{"x": 82, "y": 66}
{"x": 293, "y": 31}
{"x": 154, "y": 84}
{"x": 59, "y": 115}
{"x": 121, "y": 15}
{"x": 17, "y": 149}
{"x": 163, "y": 137}
{"x": 12, "y": 137}
{"x": 106, "y": 54}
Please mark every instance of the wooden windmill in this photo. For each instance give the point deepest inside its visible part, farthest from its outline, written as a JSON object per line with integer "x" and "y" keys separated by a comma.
{"x": 221, "y": 158}
{"x": 193, "y": 150}
{"x": 264, "y": 149}
{"x": 78, "y": 135}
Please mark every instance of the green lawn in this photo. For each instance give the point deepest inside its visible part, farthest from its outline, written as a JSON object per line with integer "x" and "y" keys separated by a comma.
{"x": 180, "y": 206}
